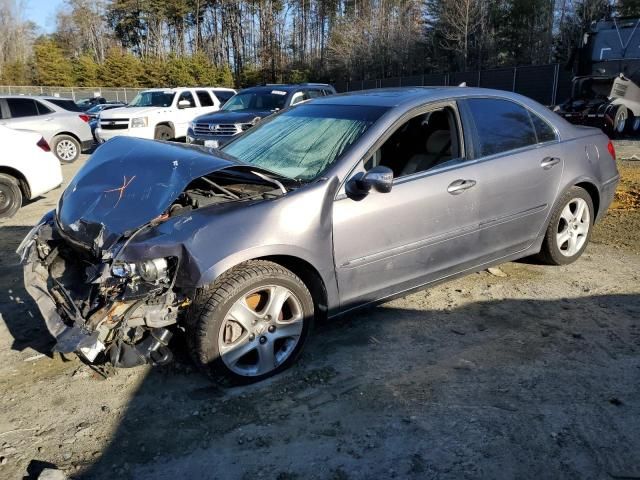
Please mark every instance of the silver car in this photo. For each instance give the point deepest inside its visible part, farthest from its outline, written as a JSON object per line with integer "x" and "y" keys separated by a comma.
{"x": 338, "y": 203}
{"x": 59, "y": 120}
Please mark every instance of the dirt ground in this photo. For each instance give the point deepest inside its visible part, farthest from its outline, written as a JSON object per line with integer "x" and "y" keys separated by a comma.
{"x": 535, "y": 374}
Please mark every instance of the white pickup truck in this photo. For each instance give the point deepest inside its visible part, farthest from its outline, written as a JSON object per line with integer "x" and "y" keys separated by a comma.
{"x": 160, "y": 113}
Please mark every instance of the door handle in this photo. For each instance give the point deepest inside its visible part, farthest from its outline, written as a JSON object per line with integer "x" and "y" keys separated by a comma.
{"x": 459, "y": 186}
{"x": 549, "y": 162}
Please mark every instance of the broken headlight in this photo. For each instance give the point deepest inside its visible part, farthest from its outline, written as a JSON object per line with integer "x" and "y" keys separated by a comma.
{"x": 152, "y": 270}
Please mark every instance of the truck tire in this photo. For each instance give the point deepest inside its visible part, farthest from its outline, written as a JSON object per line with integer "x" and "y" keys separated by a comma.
{"x": 163, "y": 132}
{"x": 66, "y": 148}
{"x": 250, "y": 324}
{"x": 620, "y": 120}
{"x": 10, "y": 196}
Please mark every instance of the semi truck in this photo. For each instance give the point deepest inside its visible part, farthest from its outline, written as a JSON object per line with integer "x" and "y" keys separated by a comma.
{"x": 606, "y": 89}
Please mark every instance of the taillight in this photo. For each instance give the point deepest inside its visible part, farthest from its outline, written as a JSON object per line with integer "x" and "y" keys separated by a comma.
{"x": 612, "y": 149}
{"x": 84, "y": 118}
{"x": 42, "y": 143}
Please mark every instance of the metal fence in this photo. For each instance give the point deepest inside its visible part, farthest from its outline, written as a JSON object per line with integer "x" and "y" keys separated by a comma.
{"x": 77, "y": 93}
{"x": 548, "y": 84}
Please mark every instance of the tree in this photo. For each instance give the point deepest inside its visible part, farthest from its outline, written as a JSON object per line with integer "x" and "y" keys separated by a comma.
{"x": 459, "y": 21}
{"x": 50, "y": 65}
{"x": 85, "y": 71}
{"x": 120, "y": 69}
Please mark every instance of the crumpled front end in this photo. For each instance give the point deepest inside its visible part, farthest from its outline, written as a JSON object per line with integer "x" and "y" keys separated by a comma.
{"x": 97, "y": 308}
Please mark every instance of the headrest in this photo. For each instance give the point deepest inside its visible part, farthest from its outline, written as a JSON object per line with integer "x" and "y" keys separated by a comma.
{"x": 438, "y": 141}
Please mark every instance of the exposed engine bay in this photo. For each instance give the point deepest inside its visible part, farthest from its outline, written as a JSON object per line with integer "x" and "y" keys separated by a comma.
{"x": 107, "y": 309}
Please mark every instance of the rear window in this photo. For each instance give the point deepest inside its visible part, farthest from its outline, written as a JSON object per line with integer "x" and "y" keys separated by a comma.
{"x": 42, "y": 108}
{"x": 501, "y": 125}
{"x": 205, "y": 98}
{"x": 223, "y": 95}
{"x": 22, "y": 107}
{"x": 544, "y": 131}
{"x": 65, "y": 104}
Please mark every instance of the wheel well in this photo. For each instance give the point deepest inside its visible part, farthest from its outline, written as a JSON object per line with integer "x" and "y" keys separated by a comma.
{"x": 310, "y": 277}
{"x": 70, "y": 135}
{"x": 593, "y": 193}
{"x": 166, "y": 124}
{"x": 22, "y": 181}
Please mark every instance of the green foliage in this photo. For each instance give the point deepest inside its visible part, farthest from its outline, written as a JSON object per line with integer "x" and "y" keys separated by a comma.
{"x": 50, "y": 65}
{"x": 629, "y": 8}
{"x": 298, "y": 76}
{"x": 120, "y": 69}
{"x": 16, "y": 73}
{"x": 85, "y": 71}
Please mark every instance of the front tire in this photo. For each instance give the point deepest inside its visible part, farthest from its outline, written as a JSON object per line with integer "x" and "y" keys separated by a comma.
{"x": 163, "y": 132}
{"x": 251, "y": 323}
{"x": 569, "y": 230}
{"x": 10, "y": 196}
{"x": 66, "y": 148}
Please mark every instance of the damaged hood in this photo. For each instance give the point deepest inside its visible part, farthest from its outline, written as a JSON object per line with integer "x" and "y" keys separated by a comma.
{"x": 127, "y": 183}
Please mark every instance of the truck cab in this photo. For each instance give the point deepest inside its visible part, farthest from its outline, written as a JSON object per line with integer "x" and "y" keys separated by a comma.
{"x": 160, "y": 113}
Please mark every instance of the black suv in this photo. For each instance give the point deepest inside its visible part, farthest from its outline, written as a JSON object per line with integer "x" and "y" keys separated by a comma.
{"x": 248, "y": 107}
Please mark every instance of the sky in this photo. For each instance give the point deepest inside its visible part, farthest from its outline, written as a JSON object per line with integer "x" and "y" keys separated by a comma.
{"x": 42, "y": 13}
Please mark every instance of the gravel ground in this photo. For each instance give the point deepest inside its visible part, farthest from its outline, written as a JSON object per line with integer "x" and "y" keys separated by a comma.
{"x": 534, "y": 373}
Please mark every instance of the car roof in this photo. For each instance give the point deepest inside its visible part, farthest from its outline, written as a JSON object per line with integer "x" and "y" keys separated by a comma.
{"x": 394, "y": 97}
{"x": 175, "y": 89}
{"x": 37, "y": 97}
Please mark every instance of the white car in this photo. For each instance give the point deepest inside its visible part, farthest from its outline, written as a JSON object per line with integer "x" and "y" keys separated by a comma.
{"x": 161, "y": 114}
{"x": 28, "y": 169}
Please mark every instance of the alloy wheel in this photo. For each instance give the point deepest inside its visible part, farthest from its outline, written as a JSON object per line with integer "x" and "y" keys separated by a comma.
{"x": 66, "y": 150}
{"x": 261, "y": 330}
{"x": 620, "y": 121}
{"x": 573, "y": 227}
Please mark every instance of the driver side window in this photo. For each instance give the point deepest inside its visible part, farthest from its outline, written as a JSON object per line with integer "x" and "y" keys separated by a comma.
{"x": 422, "y": 143}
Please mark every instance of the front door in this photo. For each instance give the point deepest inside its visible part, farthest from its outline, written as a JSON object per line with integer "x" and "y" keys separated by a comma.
{"x": 424, "y": 229}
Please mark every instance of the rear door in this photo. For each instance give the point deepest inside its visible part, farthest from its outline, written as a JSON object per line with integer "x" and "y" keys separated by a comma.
{"x": 519, "y": 166}
{"x": 29, "y": 114}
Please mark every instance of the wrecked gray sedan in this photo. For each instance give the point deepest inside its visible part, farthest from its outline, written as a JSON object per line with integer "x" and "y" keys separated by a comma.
{"x": 331, "y": 205}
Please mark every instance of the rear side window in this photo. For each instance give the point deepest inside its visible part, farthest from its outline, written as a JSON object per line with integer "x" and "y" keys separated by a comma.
{"x": 223, "y": 95}
{"x": 501, "y": 125}
{"x": 22, "y": 107}
{"x": 314, "y": 93}
{"x": 68, "y": 105}
{"x": 205, "y": 98}
{"x": 544, "y": 132}
{"x": 43, "y": 109}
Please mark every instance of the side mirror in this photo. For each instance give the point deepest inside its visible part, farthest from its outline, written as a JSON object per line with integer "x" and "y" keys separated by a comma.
{"x": 184, "y": 104}
{"x": 379, "y": 178}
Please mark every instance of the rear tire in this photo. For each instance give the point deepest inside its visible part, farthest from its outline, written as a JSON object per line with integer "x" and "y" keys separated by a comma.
{"x": 10, "y": 196}
{"x": 569, "y": 229}
{"x": 66, "y": 148}
{"x": 250, "y": 324}
{"x": 163, "y": 132}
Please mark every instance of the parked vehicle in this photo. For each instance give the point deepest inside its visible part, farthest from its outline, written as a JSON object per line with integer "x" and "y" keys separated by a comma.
{"x": 88, "y": 103}
{"x": 247, "y": 108}
{"x": 64, "y": 127}
{"x": 331, "y": 205}
{"x": 606, "y": 91}
{"x": 27, "y": 169}
{"x": 161, "y": 114}
{"x": 94, "y": 113}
